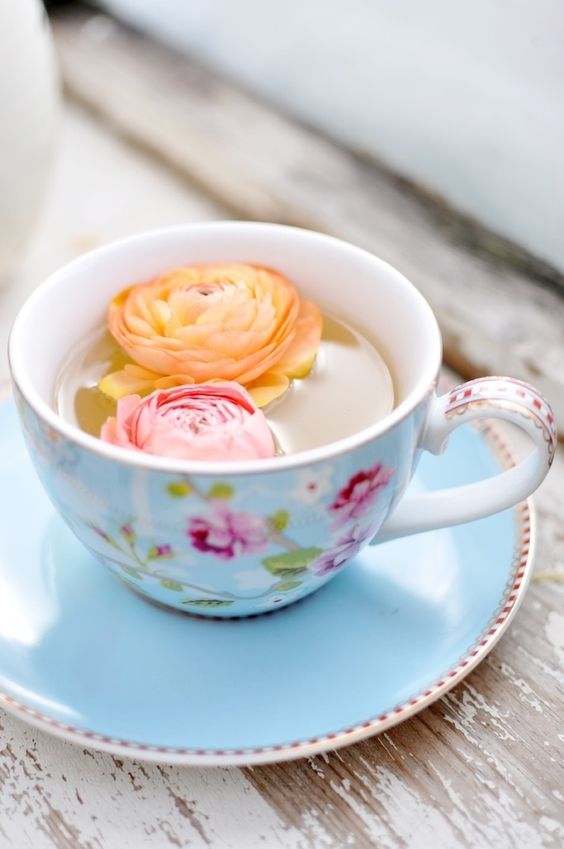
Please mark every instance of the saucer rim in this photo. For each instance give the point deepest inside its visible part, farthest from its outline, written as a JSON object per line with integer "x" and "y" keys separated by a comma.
{"x": 502, "y": 616}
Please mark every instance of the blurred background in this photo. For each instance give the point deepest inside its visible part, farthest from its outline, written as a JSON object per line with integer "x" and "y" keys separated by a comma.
{"x": 464, "y": 98}
{"x": 430, "y": 133}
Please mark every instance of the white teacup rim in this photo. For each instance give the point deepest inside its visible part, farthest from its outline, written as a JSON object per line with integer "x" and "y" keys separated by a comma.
{"x": 424, "y": 384}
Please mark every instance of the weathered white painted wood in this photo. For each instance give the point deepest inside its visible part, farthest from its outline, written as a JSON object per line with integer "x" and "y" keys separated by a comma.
{"x": 265, "y": 166}
{"x": 54, "y": 794}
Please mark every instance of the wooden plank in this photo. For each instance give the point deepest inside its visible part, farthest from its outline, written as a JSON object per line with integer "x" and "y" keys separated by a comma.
{"x": 54, "y": 795}
{"x": 262, "y": 165}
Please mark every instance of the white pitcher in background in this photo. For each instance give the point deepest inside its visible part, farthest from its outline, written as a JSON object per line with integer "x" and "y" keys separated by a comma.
{"x": 29, "y": 99}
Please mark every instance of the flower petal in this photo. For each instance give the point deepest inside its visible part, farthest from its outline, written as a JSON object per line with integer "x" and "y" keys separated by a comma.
{"x": 267, "y": 387}
{"x": 195, "y": 324}
{"x": 194, "y": 422}
{"x": 173, "y": 380}
{"x": 130, "y": 380}
{"x": 300, "y": 354}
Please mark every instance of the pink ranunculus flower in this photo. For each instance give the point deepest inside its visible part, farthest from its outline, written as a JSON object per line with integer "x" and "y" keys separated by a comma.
{"x": 206, "y": 421}
{"x": 360, "y": 494}
{"x": 228, "y": 534}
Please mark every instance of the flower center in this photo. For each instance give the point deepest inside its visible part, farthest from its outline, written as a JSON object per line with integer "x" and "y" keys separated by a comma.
{"x": 200, "y": 418}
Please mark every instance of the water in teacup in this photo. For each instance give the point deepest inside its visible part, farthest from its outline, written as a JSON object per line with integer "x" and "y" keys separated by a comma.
{"x": 348, "y": 389}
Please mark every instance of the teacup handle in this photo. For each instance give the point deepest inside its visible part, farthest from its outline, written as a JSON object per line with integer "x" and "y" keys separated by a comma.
{"x": 486, "y": 397}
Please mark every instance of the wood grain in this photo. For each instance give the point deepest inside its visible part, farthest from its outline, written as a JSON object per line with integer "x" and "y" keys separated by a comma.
{"x": 262, "y": 165}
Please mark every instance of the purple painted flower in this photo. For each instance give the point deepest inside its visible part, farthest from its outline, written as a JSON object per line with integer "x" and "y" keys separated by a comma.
{"x": 360, "y": 494}
{"x": 344, "y": 549}
{"x": 227, "y": 534}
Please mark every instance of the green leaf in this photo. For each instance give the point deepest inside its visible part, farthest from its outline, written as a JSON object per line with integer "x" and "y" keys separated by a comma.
{"x": 171, "y": 585}
{"x": 133, "y": 572}
{"x": 280, "y": 520}
{"x": 291, "y": 563}
{"x": 179, "y": 489}
{"x": 208, "y": 602}
{"x": 286, "y": 586}
{"x": 220, "y": 490}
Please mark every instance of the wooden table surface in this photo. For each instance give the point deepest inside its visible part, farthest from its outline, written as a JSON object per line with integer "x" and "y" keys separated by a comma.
{"x": 482, "y": 767}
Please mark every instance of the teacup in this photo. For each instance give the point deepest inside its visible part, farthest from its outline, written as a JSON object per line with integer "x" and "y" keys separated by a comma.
{"x": 241, "y": 538}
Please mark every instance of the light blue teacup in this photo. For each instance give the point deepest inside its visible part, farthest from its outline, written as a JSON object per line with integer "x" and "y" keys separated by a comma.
{"x": 241, "y": 538}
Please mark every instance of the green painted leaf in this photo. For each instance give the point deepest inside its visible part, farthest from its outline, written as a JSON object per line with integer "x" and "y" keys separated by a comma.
{"x": 286, "y": 586}
{"x": 208, "y": 602}
{"x": 179, "y": 489}
{"x": 221, "y": 490}
{"x": 280, "y": 520}
{"x": 133, "y": 572}
{"x": 291, "y": 563}
{"x": 171, "y": 585}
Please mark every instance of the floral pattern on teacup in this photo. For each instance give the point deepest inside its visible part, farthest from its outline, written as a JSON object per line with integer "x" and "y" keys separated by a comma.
{"x": 217, "y": 533}
{"x": 50, "y": 447}
{"x": 226, "y": 533}
{"x": 312, "y": 485}
{"x": 358, "y": 497}
{"x": 235, "y": 545}
{"x": 345, "y": 548}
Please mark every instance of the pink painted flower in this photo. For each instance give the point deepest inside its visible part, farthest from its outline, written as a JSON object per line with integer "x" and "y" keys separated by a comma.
{"x": 227, "y": 534}
{"x": 206, "y": 421}
{"x": 344, "y": 549}
{"x": 360, "y": 494}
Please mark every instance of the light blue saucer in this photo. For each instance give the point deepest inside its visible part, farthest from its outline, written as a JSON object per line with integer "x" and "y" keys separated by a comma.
{"x": 85, "y": 658}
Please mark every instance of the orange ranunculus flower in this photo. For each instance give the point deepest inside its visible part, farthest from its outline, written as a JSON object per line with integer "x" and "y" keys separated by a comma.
{"x": 213, "y": 322}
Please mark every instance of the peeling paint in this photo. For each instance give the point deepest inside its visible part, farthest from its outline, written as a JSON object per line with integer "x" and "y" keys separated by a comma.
{"x": 554, "y": 632}
{"x": 527, "y": 693}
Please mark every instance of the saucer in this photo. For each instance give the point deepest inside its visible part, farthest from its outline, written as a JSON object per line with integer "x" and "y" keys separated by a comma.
{"x": 83, "y": 657}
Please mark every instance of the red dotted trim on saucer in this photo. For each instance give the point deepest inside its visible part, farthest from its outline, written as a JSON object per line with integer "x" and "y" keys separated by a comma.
{"x": 336, "y": 739}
